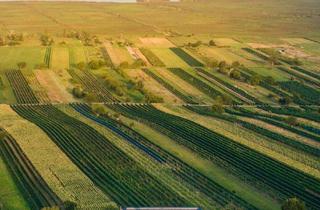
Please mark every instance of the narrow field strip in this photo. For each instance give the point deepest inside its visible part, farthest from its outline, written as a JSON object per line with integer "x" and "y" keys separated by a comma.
{"x": 187, "y": 174}
{"x": 34, "y": 188}
{"x": 62, "y": 176}
{"x": 245, "y": 160}
{"x": 113, "y": 172}
{"x": 21, "y": 88}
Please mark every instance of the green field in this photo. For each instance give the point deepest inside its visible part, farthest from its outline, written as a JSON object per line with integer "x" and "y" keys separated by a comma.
{"x": 10, "y": 56}
{"x": 198, "y": 103}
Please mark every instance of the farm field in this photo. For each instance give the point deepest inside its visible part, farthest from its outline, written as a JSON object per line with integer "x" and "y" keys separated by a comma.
{"x": 207, "y": 105}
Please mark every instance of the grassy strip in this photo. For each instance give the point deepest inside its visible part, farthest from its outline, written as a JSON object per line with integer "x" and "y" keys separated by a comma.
{"x": 212, "y": 145}
{"x": 191, "y": 61}
{"x": 151, "y": 57}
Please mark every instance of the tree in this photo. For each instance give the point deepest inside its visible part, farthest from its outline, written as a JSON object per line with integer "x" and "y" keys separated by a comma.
{"x": 22, "y": 65}
{"x": 81, "y": 65}
{"x": 78, "y": 92}
{"x": 223, "y": 67}
{"x": 235, "y": 64}
{"x": 255, "y": 79}
{"x": 217, "y": 107}
{"x": 69, "y": 205}
{"x": 293, "y": 204}
{"x": 212, "y": 43}
{"x": 270, "y": 80}
{"x": 235, "y": 74}
{"x": 285, "y": 100}
{"x": 292, "y": 121}
{"x": 273, "y": 60}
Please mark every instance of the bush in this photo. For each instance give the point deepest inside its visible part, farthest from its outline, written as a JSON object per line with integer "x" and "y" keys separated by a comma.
{"x": 285, "y": 101}
{"x": 255, "y": 79}
{"x": 22, "y": 65}
{"x": 99, "y": 109}
{"x": 292, "y": 121}
{"x": 270, "y": 80}
{"x": 69, "y": 205}
{"x": 124, "y": 65}
{"x": 78, "y": 92}
{"x": 95, "y": 64}
{"x": 293, "y": 204}
{"x": 235, "y": 74}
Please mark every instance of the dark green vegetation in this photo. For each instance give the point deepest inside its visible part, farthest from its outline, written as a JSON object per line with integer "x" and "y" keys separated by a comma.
{"x": 245, "y": 161}
{"x": 213, "y": 104}
{"x": 34, "y": 188}
{"x": 21, "y": 88}
{"x": 109, "y": 168}
{"x": 186, "y": 57}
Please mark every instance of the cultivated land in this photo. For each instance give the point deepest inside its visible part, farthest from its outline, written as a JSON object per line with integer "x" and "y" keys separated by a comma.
{"x": 213, "y": 104}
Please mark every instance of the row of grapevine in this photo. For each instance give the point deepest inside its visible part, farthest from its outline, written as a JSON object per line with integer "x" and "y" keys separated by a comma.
{"x": 256, "y": 53}
{"x": 299, "y": 75}
{"x": 151, "y": 57}
{"x": 260, "y": 131}
{"x": 33, "y": 187}
{"x": 115, "y": 173}
{"x": 307, "y": 72}
{"x": 211, "y": 145}
{"x": 186, "y": 57}
{"x": 308, "y": 131}
{"x": 199, "y": 84}
{"x": 232, "y": 89}
{"x": 302, "y": 91}
{"x": 169, "y": 87}
{"x": 178, "y": 167}
{"x": 92, "y": 85}
{"x": 47, "y": 56}
{"x": 21, "y": 88}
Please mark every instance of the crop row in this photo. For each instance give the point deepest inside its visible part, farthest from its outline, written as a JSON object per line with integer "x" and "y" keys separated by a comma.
{"x": 256, "y": 53}
{"x": 115, "y": 173}
{"x": 92, "y": 85}
{"x": 303, "y": 91}
{"x": 261, "y": 131}
{"x": 199, "y": 84}
{"x": 47, "y": 56}
{"x": 299, "y": 75}
{"x": 34, "y": 188}
{"x": 21, "y": 88}
{"x": 186, "y": 57}
{"x": 244, "y": 96}
{"x": 169, "y": 87}
{"x": 311, "y": 74}
{"x": 280, "y": 122}
{"x": 179, "y": 168}
{"x": 151, "y": 57}
{"x": 209, "y": 144}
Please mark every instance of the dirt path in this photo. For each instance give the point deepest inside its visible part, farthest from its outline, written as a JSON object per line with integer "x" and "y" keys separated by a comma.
{"x": 55, "y": 91}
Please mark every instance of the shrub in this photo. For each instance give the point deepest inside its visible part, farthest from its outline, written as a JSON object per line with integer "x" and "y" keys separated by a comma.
{"x": 255, "y": 79}
{"x": 293, "y": 204}
{"x": 78, "y": 92}
{"x": 69, "y": 205}
{"x": 235, "y": 74}
{"x": 292, "y": 121}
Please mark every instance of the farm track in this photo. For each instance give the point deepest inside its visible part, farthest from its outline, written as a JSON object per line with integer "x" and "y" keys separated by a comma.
{"x": 211, "y": 145}
{"x": 113, "y": 172}
{"x": 179, "y": 168}
{"x": 34, "y": 188}
{"x": 92, "y": 85}
{"x": 21, "y": 88}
